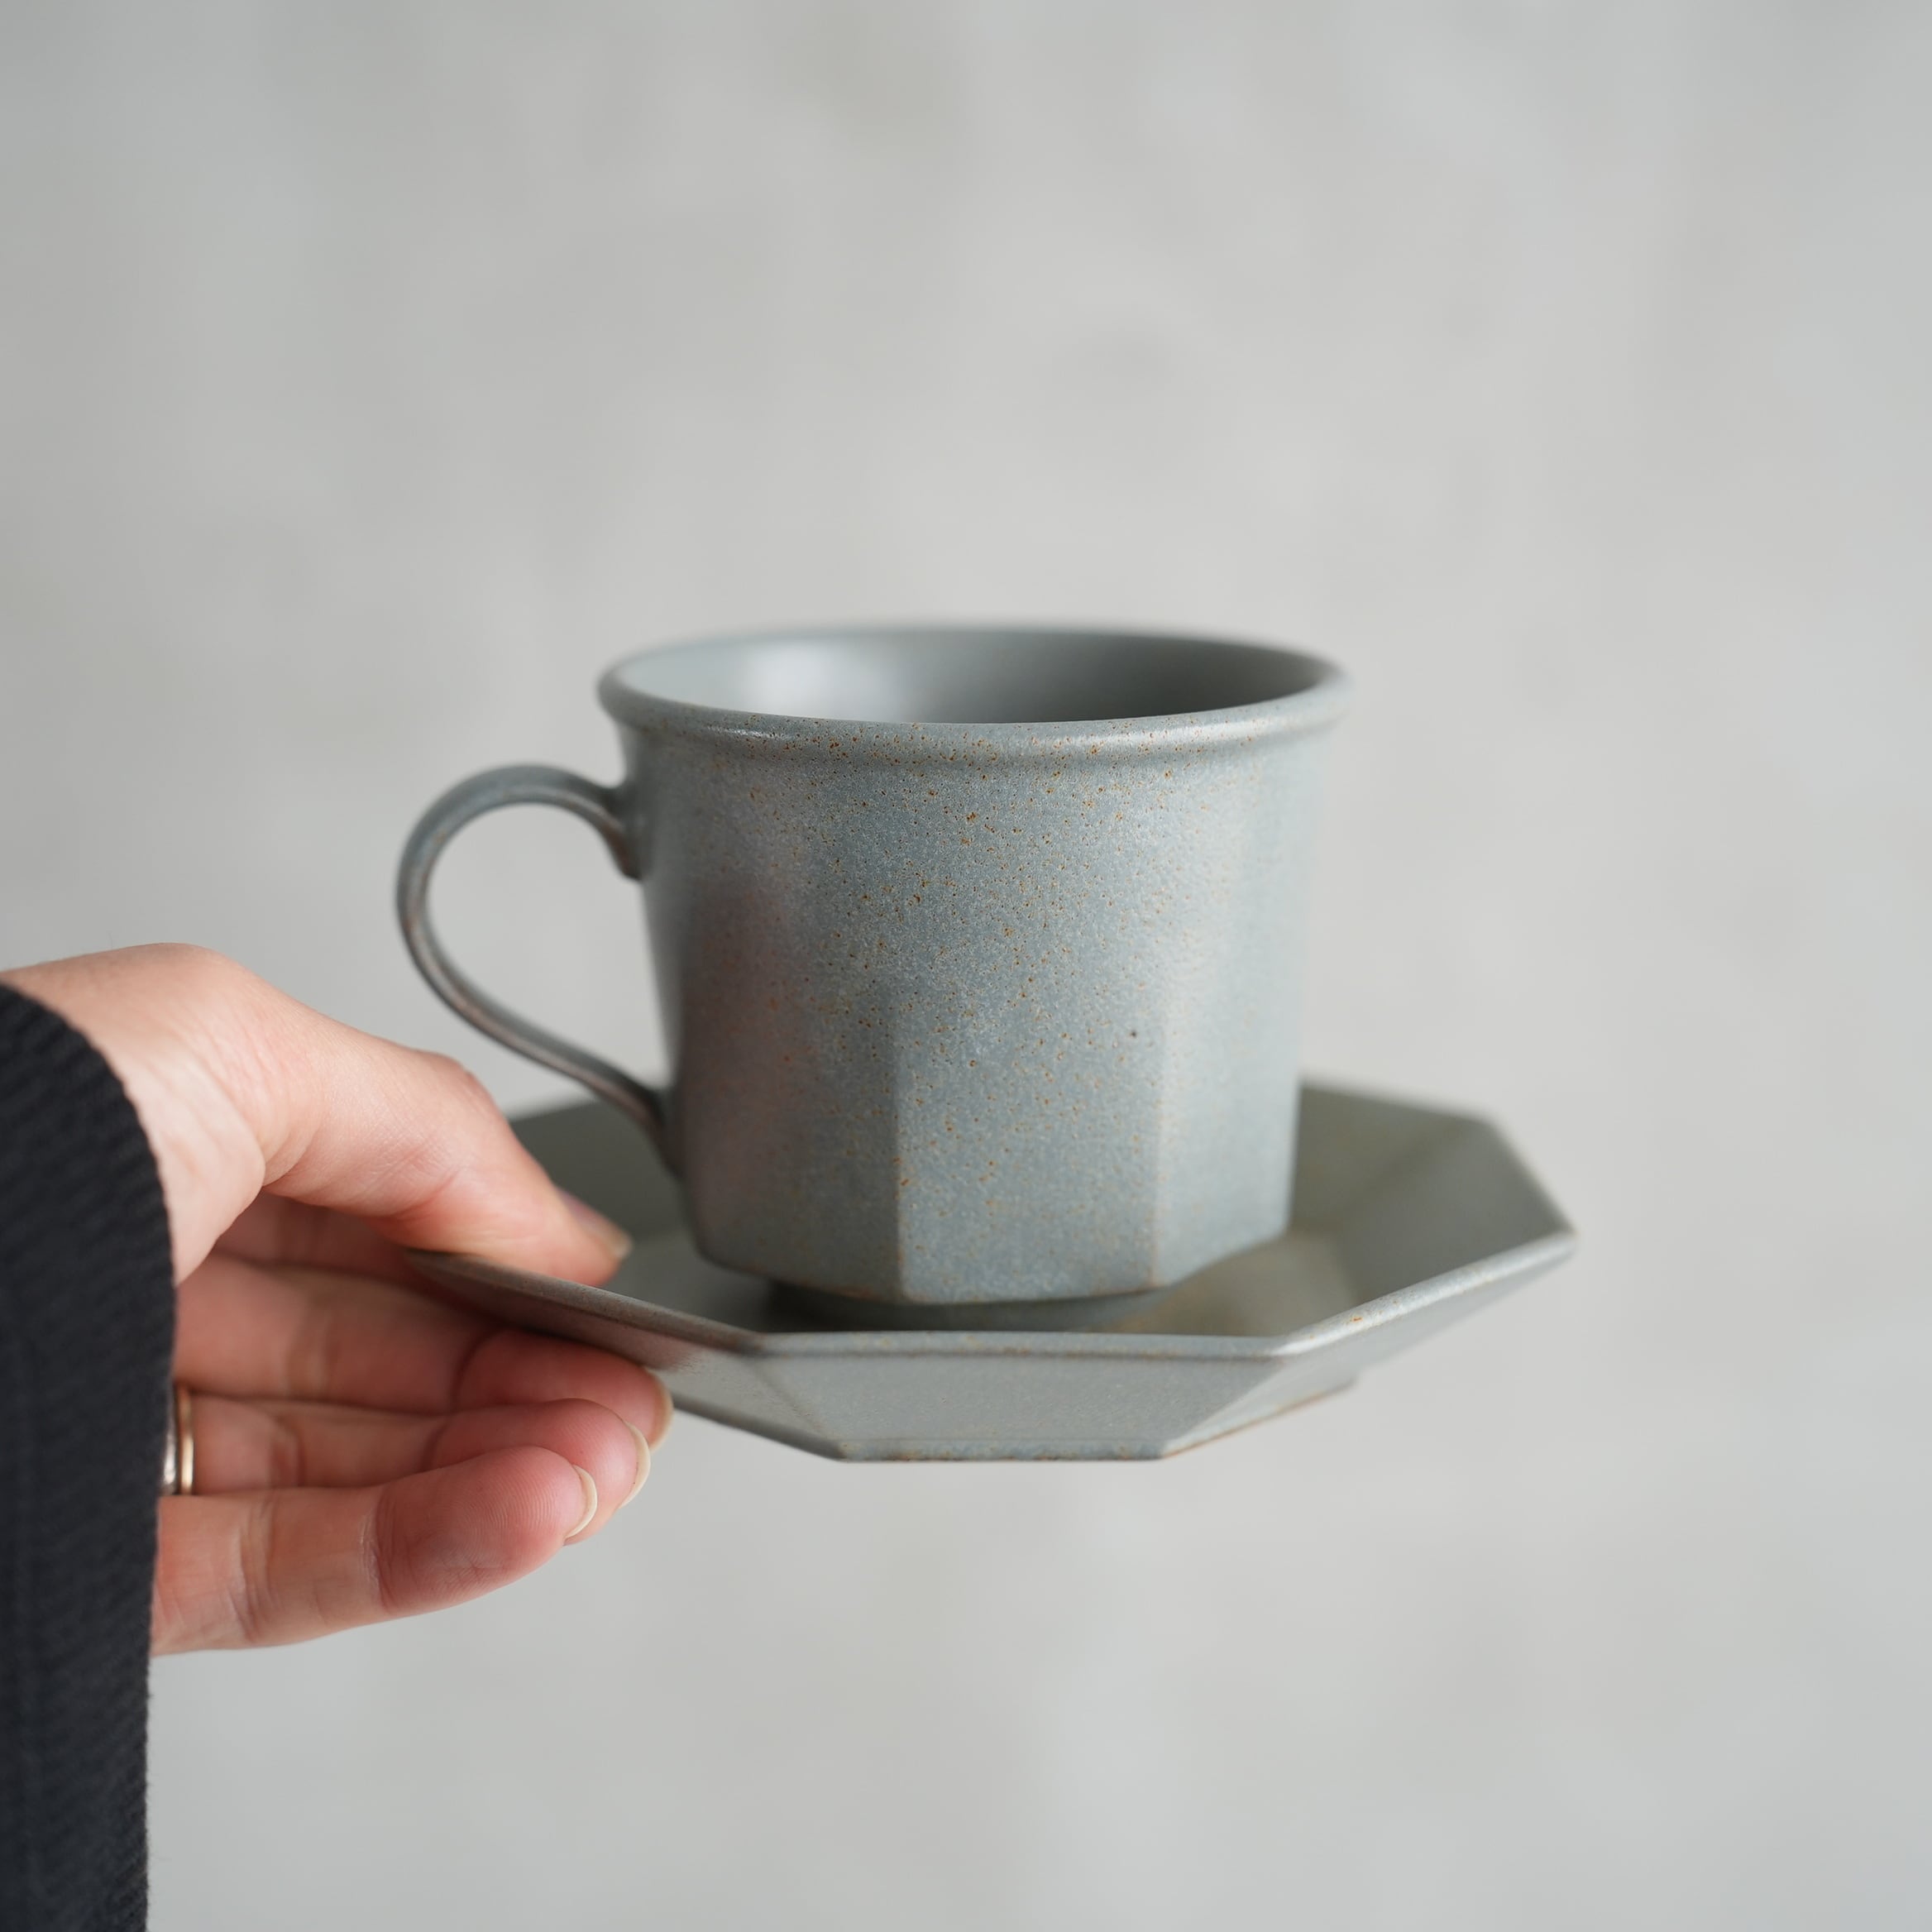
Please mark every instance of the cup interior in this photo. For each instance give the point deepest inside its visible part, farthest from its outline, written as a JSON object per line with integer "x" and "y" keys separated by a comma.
{"x": 970, "y": 677}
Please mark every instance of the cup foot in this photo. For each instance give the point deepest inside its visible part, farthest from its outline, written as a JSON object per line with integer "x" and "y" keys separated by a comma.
{"x": 849, "y": 1312}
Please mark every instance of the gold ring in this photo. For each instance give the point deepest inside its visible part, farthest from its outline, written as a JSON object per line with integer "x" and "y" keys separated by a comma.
{"x": 178, "y": 1457}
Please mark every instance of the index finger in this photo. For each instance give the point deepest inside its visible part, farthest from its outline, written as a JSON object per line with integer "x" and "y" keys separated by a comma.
{"x": 241, "y": 1090}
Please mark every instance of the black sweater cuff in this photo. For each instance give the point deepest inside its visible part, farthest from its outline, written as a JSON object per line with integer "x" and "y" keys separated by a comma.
{"x": 87, "y": 1325}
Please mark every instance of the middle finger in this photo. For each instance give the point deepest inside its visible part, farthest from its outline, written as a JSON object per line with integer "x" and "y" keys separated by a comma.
{"x": 312, "y": 1445}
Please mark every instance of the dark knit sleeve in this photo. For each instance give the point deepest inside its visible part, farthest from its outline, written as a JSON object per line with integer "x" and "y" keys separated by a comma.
{"x": 86, "y": 1320}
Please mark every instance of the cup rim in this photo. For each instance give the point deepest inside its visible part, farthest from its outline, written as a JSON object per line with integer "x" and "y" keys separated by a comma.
{"x": 1319, "y": 702}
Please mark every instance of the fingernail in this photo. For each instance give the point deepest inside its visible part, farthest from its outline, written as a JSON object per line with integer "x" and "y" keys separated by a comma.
{"x": 606, "y": 1233}
{"x": 584, "y": 1522}
{"x": 643, "y": 1461}
{"x": 667, "y": 1412}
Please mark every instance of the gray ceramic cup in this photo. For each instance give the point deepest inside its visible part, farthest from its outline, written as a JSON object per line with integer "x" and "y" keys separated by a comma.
{"x": 979, "y": 950}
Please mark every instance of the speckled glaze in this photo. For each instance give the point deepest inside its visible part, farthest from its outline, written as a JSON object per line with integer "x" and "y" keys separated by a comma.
{"x": 958, "y": 1012}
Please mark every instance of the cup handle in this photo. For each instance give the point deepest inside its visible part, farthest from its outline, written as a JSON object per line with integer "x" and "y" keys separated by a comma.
{"x": 597, "y": 804}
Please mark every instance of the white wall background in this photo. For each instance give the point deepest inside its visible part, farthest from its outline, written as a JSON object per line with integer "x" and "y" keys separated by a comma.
{"x": 370, "y": 375}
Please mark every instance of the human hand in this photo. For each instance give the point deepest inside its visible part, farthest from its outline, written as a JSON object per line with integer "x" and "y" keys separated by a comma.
{"x": 363, "y": 1451}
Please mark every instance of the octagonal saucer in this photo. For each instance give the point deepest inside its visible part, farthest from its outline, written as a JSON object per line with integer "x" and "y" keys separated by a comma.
{"x": 1405, "y": 1218}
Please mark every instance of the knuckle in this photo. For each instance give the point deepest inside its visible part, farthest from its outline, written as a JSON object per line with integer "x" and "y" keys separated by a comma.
{"x": 437, "y": 1443}
{"x": 381, "y": 1553}
{"x": 451, "y": 1073}
{"x": 234, "y": 1018}
{"x": 463, "y": 1088}
{"x": 251, "y": 1578}
{"x": 288, "y": 1457}
{"x": 475, "y": 1372}
{"x": 200, "y": 972}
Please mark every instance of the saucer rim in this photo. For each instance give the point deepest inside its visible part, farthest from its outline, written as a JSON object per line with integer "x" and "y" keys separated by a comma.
{"x": 1129, "y": 1395}
{"x": 1526, "y": 1260}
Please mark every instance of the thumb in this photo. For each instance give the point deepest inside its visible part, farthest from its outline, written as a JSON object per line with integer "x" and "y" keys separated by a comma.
{"x": 242, "y": 1091}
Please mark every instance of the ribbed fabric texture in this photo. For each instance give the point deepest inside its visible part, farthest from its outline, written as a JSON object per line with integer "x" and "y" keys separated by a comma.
{"x": 87, "y": 1319}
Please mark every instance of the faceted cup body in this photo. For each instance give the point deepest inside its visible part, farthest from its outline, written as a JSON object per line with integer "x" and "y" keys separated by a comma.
{"x": 977, "y": 1011}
